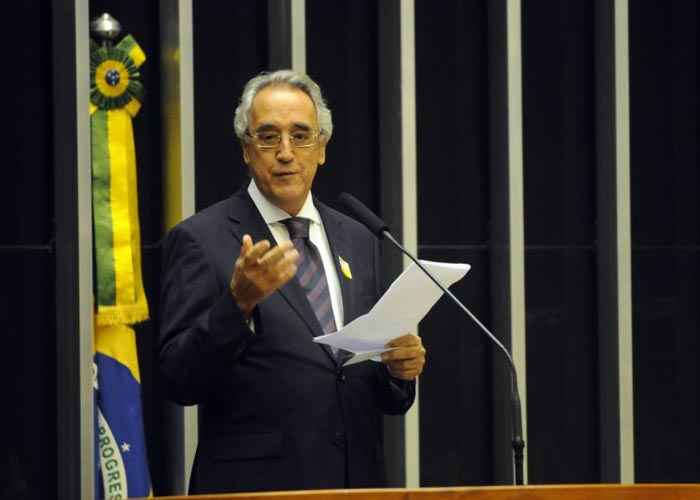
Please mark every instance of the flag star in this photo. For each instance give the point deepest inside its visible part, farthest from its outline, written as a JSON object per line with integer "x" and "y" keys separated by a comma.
{"x": 126, "y": 447}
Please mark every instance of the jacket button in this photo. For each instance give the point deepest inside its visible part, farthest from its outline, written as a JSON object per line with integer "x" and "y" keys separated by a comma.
{"x": 341, "y": 376}
{"x": 339, "y": 439}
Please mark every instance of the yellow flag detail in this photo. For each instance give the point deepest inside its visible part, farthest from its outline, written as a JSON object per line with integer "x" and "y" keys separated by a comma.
{"x": 119, "y": 343}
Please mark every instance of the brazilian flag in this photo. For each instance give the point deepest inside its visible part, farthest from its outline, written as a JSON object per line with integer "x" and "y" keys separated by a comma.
{"x": 115, "y": 98}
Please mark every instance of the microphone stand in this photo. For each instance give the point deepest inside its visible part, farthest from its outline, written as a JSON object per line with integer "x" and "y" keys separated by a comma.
{"x": 517, "y": 423}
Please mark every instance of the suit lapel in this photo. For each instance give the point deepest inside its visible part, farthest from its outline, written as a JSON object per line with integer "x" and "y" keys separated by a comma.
{"x": 247, "y": 220}
{"x": 340, "y": 248}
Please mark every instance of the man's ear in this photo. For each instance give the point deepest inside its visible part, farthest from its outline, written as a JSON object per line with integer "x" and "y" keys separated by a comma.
{"x": 246, "y": 156}
{"x": 322, "y": 152}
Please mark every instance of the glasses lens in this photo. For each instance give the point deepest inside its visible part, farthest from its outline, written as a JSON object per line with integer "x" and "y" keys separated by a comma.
{"x": 302, "y": 138}
{"x": 272, "y": 139}
{"x": 268, "y": 139}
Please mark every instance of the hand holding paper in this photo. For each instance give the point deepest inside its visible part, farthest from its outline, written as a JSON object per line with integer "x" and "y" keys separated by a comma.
{"x": 406, "y": 358}
{"x": 398, "y": 311}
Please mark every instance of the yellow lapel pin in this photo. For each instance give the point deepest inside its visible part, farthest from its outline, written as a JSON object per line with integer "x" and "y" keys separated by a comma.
{"x": 345, "y": 268}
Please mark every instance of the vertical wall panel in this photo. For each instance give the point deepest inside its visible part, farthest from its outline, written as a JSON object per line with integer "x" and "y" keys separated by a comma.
{"x": 27, "y": 314}
{"x": 27, "y": 264}
{"x": 665, "y": 239}
{"x": 455, "y": 410}
{"x": 74, "y": 417}
{"x": 396, "y": 101}
{"x": 559, "y": 177}
{"x": 451, "y": 86}
{"x": 179, "y": 425}
{"x": 230, "y": 46}
{"x": 507, "y": 236}
{"x": 613, "y": 245}
{"x": 407, "y": 50}
{"x": 453, "y": 215}
{"x": 360, "y": 78}
{"x": 26, "y": 190}
{"x": 345, "y": 66}
{"x": 27, "y": 218}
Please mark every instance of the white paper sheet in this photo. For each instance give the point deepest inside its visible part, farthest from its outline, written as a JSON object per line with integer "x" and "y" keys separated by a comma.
{"x": 398, "y": 311}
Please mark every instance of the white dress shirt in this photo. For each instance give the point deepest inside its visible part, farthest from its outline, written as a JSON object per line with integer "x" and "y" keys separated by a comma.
{"x": 273, "y": 215}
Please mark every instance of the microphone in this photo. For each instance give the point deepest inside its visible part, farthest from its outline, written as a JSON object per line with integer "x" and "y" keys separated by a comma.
{"x": 377, "y": 226}
{"x": 363, "y": 214}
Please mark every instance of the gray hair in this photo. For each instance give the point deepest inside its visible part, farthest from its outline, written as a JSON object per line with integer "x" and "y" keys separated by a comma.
{"x": 282, "y": 77}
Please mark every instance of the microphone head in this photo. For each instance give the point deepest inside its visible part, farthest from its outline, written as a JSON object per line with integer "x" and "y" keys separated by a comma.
{"x": 359, "y": 211}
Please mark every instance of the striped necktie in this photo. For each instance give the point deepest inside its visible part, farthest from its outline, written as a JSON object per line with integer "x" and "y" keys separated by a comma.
{"x": 310, "y": 273}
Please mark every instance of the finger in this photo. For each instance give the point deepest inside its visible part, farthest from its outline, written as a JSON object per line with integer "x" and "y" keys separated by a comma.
{"x": 409, "y": 364}
{"x": 287, "y": 273}
{"x": 275, "y": 254}
{"x": 404, "y": 374}
{"x": 257, "y": 251}
{"x": 404, "y": 341}
{"x": 415, "y": 363}
{"x": 287, "y": 267}
{"x": 246, "y": 244}
{"x": 292, "y": 255}
{"x": 276, "y": 264}
{"x": 289, "y": 259}
{"x": 394, "y": 355}
{"x": 404, "y": 353}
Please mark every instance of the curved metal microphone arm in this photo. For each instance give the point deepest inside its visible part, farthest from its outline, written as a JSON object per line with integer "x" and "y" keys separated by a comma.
{"x": 518, "y": 442}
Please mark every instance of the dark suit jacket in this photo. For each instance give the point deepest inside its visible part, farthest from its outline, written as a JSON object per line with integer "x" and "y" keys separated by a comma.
{"x": 276, "y": 410}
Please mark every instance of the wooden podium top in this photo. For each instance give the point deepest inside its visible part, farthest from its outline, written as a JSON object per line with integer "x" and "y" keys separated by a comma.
{"x": 552, "y": 492}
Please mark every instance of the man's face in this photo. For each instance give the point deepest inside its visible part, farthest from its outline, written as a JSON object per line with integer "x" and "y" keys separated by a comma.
{"x": 284, "y": 174}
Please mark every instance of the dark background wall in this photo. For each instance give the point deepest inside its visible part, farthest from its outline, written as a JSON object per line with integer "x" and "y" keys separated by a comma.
{"x": 345, "y": 66}
{"x": 560, "y": 258}
{"x": 665, "y": 238}
{"x": 222, "y": 65}
{"x": 27, "y": 260}
{"x": 453, "y": 225}
{"x": 454, "y": 219}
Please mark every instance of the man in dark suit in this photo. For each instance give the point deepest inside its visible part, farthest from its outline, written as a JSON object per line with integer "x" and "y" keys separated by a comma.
{"x": 247, "y": 284}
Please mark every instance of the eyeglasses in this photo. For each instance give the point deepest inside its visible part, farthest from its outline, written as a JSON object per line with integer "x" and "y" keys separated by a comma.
{"x": 271, "y": 139}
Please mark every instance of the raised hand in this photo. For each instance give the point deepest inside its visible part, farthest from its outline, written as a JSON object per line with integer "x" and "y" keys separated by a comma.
{"x": 260, "y": 270}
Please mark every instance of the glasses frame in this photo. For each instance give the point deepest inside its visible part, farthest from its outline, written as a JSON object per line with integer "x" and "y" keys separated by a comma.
{"x": 253, "y": 139}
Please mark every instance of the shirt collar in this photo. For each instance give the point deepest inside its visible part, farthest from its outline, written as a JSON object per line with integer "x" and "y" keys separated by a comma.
{"x": 272, "y": 214}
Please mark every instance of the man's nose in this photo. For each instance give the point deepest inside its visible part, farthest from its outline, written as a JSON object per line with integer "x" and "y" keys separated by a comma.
{"x": 285, "y": 153}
